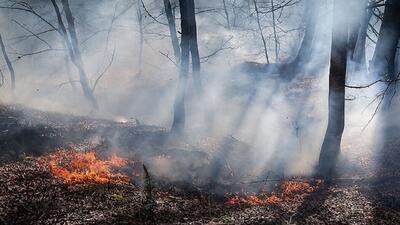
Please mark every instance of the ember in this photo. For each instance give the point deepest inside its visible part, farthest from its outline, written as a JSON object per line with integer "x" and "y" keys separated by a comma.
{"x": 289, "y": 190}
{"x": 85, "y": 167}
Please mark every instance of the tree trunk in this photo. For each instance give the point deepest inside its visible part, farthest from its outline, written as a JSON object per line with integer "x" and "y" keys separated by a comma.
{"x": 358, "y": 56}
{"x": 8, "y": 62}
{"x": 178, "y": 123}
{"x": 141, "y": 37}
{"x": 194, "y": 49}
{"x": 261, "y": 30}
{"x": 226, "y": 14}
{"x": 337, "y": 75}
{"x": 275, "y": 34}
{"x": 383, "y": 61}
{"x": 76, "y": 56}
{"x": 389, "y": 34}
{"x": 304, "y": 52}
{"x": 172, "y": 30}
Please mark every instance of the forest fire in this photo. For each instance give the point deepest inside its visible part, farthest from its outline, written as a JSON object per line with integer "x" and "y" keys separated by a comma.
{"x": 288, "y": 191}
{"x": 85, "y": 167}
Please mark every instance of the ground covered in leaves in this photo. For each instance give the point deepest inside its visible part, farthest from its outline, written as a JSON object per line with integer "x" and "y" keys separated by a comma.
{"x": 31, "y": 194}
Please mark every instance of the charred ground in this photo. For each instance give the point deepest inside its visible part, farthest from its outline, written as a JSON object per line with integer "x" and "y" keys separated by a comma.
{"x": 31, "y": 194}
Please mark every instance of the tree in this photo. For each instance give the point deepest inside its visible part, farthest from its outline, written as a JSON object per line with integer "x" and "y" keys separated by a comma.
{"x": 72, "y": 44}
{"x": 383, "y": 61}
{"x": 337, "y": 76}
{"x": 261, "y": 30}
{"x": 188, "y": 47}
{"x": 386, "y": 46}
{"x": 191, "y": 30}
{"x": 8, "y": 62}
{"x": 141, "y": 35}
{"x": 226, "y": 14}
{"x": 172, "y": 29}
{"x": 358, "y": 56}
{"x": 304, "y": 53}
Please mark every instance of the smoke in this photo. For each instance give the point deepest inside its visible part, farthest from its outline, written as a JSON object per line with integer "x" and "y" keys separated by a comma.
{"x": 282, "y": 121}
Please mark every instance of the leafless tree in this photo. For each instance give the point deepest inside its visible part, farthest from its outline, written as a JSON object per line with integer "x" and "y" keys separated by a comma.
{"x": 188, "y": 47}
{"x": 261, "y": 30}
{"x": 8, "y": 62}
{"x": 172, "y": 29}
{"x": 71, "y": 42}
{"x": 337, "y": 76}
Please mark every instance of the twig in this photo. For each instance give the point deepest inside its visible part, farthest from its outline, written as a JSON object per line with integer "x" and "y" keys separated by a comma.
{"x": 151, "y": 16}
{"x": 104, "y": 71}
{"x": 25, "y": 28}
{"x": 169, "y": 58}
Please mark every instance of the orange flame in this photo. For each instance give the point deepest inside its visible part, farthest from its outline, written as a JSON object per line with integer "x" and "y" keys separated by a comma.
{"x": 290, "y": 189}
{"x": 85, "y": 167}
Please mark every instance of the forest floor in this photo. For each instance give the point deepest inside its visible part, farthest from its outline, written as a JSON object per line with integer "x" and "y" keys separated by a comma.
{"x": 30, "y": 193}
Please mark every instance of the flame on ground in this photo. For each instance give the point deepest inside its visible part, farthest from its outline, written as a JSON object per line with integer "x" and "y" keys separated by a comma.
{"x": 85, "y": 167}
{"x": 289, "y": 190}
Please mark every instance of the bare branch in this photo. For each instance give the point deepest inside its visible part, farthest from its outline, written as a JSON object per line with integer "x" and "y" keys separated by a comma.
{"x": 104, "y": 71}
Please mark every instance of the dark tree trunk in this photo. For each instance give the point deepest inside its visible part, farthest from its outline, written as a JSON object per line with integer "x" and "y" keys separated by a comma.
{"x": 383, "y": 61}
{"x": 337, "y": 75}
{"x": 385, "y": 50}
{"x": 76, "y": 56}
{"x": 172, "y": 30}
{"x": 8, "y": 62}
{"x": 194, "y": 49}
{"x": 178, "y": 123}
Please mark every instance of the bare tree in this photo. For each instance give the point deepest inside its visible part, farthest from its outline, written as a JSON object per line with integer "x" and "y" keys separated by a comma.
{"x": 71, "y": 41}
{"x": 276, "y": 40}
{"x": 226, "y": 14}
{"x": 358, "y": 56}
{"x": 172, "y": 29}
{"x": 141, "y": 35}
{"x": 337, "y": 76}
{"x": 188, "y": 46}
{"x": 8, "y": 62}
{"x": 383, "y": 61}
{"x": 66, "y": 43}
{"x": 178, "y": 123}
{"x": 261, "y": 30}
{"x": 386, "y": 46}
{"x": 194, "y": 49}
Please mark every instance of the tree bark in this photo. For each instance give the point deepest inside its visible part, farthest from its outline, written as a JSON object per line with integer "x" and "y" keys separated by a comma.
{"x": 141, "y": 36}
{"x": 66, "y": 43}
{"x": 261, "y": 30}
{"x": 359, "y": 56}
{"x": 226, "y": 14}
{"x": 275, "y": 34}
{"x": 383, "y": 61}
{"x": 178, "y": 123}
{"x": 172, "y": 30}
{"x": 8, "y": 62}
{"x": 76, "y": 56}
{"x": 194, "y": 49}
{"x": 386, "y": 46}
{"x": 337, "y": 75}
{"x": 304, "y": 53}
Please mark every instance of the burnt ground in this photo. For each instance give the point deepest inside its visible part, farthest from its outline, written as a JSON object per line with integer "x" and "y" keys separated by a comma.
{"x": 30, "y": 194}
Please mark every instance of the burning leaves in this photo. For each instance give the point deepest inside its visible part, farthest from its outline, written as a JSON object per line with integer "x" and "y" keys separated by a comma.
{"x": 289, "y": 190}
{"x": 85, "y": 167}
